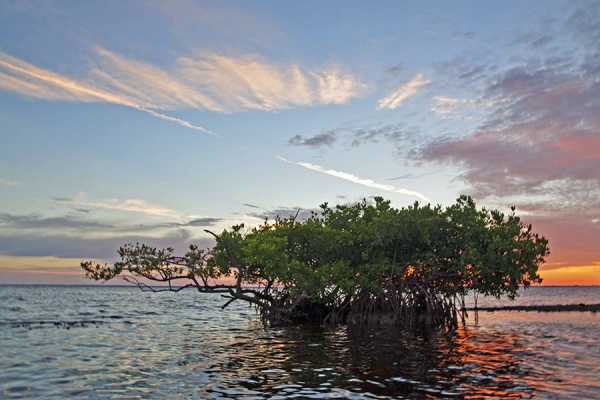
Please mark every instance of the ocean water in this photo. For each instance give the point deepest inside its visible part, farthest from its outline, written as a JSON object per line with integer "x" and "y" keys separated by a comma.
{"x": 108, "y": 342}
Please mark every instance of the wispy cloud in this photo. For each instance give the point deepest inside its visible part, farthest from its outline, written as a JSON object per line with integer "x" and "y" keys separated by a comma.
{"x": 405, "y": 139}
{"x": 8, "y": 182}
{"x": 356, "y": 179}
{"x": 176, "y": 120}
{"x": 398, "y": 134}
{"x": 206, "y": 81}
{"x": 31, "y": 81}
{"x": 451, "y": 108}
{"x": 130, "y": 205}
{"x": 403, "y": 91}
{"x": 253, "y": 82}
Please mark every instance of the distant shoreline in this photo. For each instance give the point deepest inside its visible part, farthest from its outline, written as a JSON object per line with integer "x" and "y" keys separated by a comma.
{"x": 545, "y": 308}
{"x": 577, "y": 307}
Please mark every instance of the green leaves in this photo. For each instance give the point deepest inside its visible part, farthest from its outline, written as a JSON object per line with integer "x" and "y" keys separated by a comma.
{"x": 449, "y": 250}
{"x": 353, "y": 254}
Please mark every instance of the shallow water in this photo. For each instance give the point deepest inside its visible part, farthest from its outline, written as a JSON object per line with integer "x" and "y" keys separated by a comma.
{"x": 543, "y": 295}
{"x": 117, "y": 342}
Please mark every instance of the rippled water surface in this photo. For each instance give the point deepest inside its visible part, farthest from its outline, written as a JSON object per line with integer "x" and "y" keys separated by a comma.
{"x": 117, "y": 342}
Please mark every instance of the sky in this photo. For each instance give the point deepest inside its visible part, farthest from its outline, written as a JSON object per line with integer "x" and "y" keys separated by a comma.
{"x": 127, "y": 121}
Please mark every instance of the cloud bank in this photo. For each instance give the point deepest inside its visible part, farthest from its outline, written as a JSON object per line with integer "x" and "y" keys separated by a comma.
{"x": 105, "y": 248}
{"x": 538, "y": 145}
{"x": 82, "y": 234}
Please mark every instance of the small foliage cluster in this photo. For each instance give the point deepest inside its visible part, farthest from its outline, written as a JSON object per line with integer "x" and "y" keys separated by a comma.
{"x": 354, "y": 263}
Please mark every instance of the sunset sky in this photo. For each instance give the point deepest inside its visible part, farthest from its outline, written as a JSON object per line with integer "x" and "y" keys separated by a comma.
{"x": 150, "y": 121}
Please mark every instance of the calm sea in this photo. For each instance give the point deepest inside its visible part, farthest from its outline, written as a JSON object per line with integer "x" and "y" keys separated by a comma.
{"x": 118, "y": 342}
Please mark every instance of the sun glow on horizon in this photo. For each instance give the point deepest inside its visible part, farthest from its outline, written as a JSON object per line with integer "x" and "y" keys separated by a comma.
{"x": 56, "y": 270}
{"x": 586, "y": 275}
{"x": 41, "y": 270}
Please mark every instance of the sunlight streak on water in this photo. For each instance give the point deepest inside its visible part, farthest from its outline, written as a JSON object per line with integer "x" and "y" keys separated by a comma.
{"x": 111, "y": 342}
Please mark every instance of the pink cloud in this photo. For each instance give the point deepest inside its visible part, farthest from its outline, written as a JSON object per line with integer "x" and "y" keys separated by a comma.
{"x": 539, "y": 147}
{"x": 572, "y": 237}
{"x": 544, "y": 128}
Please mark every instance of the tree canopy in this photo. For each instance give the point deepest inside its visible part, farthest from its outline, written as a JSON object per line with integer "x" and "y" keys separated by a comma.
{"x": 366, "y": 262}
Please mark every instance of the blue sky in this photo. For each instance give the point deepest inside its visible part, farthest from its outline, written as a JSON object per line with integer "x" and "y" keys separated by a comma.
{"x": 151, "y": 121}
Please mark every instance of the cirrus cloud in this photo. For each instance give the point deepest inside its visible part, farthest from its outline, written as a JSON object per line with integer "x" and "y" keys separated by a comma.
{"x": 356, "y": 179}
{"x": 204, "y": 81}
{"x": 31, "y": 81}
{"x": 403, "y": 91}
{"x": 130, "y": 205}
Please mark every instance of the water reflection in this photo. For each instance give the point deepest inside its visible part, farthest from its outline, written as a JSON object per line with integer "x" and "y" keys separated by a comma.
{"x": 120, "y": 343}
{"x": 363, "y": 362}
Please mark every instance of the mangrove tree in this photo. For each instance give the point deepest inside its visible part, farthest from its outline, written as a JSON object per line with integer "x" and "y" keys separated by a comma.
{"x": 360, "y": 263}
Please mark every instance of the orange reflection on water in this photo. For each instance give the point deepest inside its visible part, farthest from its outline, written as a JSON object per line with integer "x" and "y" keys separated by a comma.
{"x": 517, "y": 354}
{"x": 487, "y": 365}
